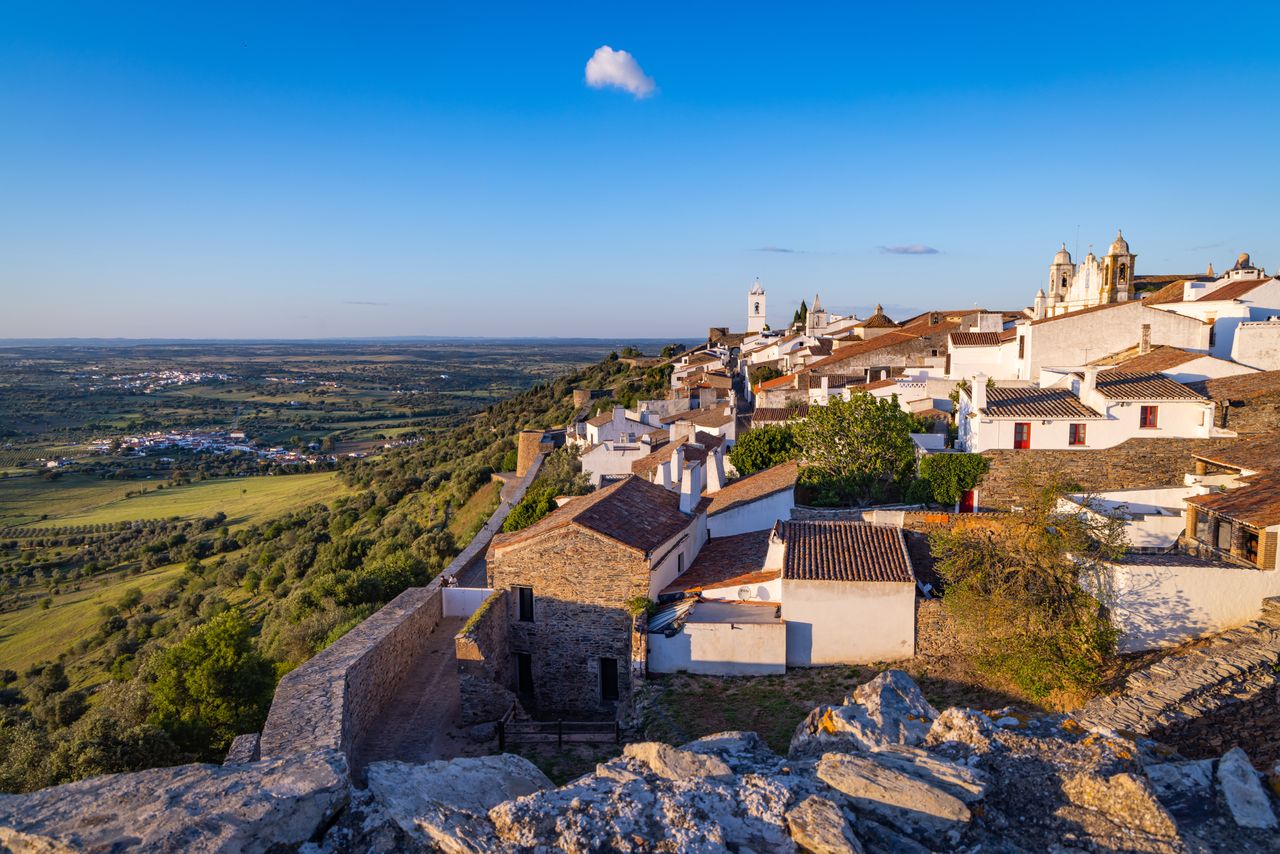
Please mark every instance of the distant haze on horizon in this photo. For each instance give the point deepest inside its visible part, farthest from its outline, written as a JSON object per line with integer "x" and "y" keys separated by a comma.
{"x": 325, "y": 171}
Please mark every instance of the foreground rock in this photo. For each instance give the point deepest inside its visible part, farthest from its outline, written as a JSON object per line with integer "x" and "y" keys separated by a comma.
{"x": 881, "y": 772}
{"x": 190, "y": 808}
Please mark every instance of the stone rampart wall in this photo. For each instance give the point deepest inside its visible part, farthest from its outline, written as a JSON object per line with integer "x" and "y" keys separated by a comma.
{"x": 1135, "y": 464}
{"x": 331, "y": 699}
{"x": 484, "y": 662}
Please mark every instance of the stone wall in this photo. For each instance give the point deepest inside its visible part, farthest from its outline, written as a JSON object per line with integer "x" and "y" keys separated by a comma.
{"x": 581, "y": 584}
{"x": 936, "y": 635}
{"x": 1252, "y": 724}
{"x": 1135, "y": 464}
{"x": 484, "y": 663}
{"x": 825, "y": 514}
{"x": 330, "y": 700}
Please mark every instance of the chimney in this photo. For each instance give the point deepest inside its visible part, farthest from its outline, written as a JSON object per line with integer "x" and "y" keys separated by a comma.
{"x": 978, "y": 391}
{"x": 619, "y": 414}
{"x": 691, "y": 487}
{"x": 1144, "y": 343}
{"x": 715, "y": 470}
{"x": 675, "y": 469}
{"x": 1089, "y": 384}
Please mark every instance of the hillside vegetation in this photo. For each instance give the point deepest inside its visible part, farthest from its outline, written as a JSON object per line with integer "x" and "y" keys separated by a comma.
{"x": 129, "y": 644}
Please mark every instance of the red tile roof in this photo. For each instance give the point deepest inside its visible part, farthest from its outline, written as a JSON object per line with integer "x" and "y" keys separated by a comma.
{"x": 1256, "y": 503}
{"x": 974, "y": 339}
{"x": 1034, "y": 402}
{"x": 844, "y": 551}
{"x": 1256, "y": 454}
{"x": 633, "y": 512}
{"x": 1240, "y": 386}
{"x": 1235, "y": 290}
{"x": 1160, "y": 358}
{"x": 880, "y": 342}
{"x": 784, "y": 381}
{"x": 753, "y": 487}
{"x": 1172, "y": 292}
{"x": 725, "y": 562}
{"x": 1079, "y": 312}
{"x": 1145, "y": 385}
{"x": 779, "y": 414}
{"x": 693, "y": 452}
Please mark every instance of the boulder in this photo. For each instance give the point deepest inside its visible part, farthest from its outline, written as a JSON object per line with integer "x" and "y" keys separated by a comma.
{"x": 671, "y": 763}
{"x": 902, "y": 799}
{"x": 1123, "y": 798}
{"x": 889, "y": 709}
{"x": 743, "y": 751}
{"x": 694, "y": 813}
{"x": 819, "y": 826}
{"x": 1246, "y": 799}
{"x": 1185, "y": 788}
{"x": 962, "y": 726}
{"x": 959, "y": 780}
{"x": 253, "y": 807}
{"x": 446, "y": 804}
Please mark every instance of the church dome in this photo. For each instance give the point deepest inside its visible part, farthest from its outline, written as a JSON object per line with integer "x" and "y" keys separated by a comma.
{"x": 1119, "y": 246}
{"x": 1063, "y": 256}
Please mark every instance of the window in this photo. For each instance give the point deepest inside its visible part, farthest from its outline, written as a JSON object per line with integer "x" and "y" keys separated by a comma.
{"x": 680, "y": 564}
{"x": 608, "y": 679}
{"x": 757, "y": 309}
{"x": 1149, "y": 417}
{"x": 1249, "y": 545}
{"x": 933, "y": 352}
{"x": 1203, "y": 523}
{"x": 1022, "y": 347}
{"x": 1213, "y": 335}
{"x": 525, "y": 597}
{"x": 524, "y": 673}
{"x": 1022, "y": 435}
{"x": 1075, "y": 434}
{"x": 1223, "y": 535}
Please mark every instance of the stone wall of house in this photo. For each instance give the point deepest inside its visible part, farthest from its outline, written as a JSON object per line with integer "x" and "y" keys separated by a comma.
{"x": 936, "y": 635}
{"x": 1135, "y": 464}
{"x": 484, "y": 663}
{"x": 581, "y": 584}
{"x": 1257, "y": 415}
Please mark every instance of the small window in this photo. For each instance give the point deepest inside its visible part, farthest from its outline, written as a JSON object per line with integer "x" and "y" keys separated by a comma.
{"x": 608, "y": 679}
{"x": 525, "y": 595}
{"x": 1223, "y": 535}
{"x": 1149, "y": 417}
{"x": 1203, "y": 523}
{"x": 680, "y": 564}
{"x": 1249, "y": 545}
{"x": 1022, "y": 347}
{"x": 1076, "y": 434}
{"x": 524, "y": 672}
{"x": 933, "y": 352}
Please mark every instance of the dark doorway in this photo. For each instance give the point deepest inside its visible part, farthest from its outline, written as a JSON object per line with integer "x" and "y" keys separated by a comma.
{"x": 608, "y": 679}
{"x": 524, "y": 673}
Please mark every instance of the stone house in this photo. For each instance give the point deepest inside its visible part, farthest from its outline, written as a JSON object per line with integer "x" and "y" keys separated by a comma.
{"x": 570, "y": 583}
{"x": 1239, "y": 519}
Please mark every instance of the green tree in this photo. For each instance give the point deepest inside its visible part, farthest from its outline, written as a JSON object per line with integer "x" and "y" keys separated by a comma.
{"x": 537, "y": 502}
{"x": 1028, "y": 589}
{"x": 944, "y": 478}
{"x": 856, "y": 451}
{"x": 764, "y": 373}
{"x": 764, "y": 447}
{"x": 211, "y": 686}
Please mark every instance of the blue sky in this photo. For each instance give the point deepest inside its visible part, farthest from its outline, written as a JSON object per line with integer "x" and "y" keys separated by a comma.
{"x": 312, "y": 169}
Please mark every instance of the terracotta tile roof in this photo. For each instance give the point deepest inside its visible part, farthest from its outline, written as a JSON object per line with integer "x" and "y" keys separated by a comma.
{"x": 1171, "y": 292}
{"x": 1257, "y": 503}
{"x": 1009, "y": 334}
{"x": 1240, "y": 386}
{"x": 974, "y": 339}
{"x": 1082, "y": 311}
{"x": 924, "y": 327}
{"x": 727, "y": 561}
{"x": 1033, "y": 402}
{"x": 602, "y": 419}
{"x": 872, "y": 386}
{"x": 716, "y": 417}
{"x": 1235, "y": 290}
{"x": 784, "y": 381}
{"x": 753, "y": 487}
{"x": 1159, "y": 358}
{"x": 779, "y": 414}
{"x": 1256, "y": 454}
{"x": 1142, "y": 385}
{"x": 633, "y": 512}
{"x": 844, "y": 551}
{"x": 708, "y": 380}
{"x": 877, "y": 321}
{"x": 880, "y": 342}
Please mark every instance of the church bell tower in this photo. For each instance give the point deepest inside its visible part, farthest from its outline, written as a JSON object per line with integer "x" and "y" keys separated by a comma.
{"x": 756, "y": 308}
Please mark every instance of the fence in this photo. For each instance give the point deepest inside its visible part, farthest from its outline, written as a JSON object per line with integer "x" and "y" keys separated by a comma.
{"x": 464, "y": 601}
{"x": 511, "y": 731}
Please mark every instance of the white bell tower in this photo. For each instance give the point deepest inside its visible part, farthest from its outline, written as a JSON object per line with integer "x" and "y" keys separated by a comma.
{"x": 756, "y": 308}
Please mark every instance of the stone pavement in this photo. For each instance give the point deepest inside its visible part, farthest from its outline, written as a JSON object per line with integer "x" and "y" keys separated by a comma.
{"x": 420, "y": 722}
{"x": 1235, "y": 666}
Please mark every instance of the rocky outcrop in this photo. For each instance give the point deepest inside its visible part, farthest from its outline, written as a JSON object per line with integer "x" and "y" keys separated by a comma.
{"x": 262, "y": 806}
{"x": 881, "y": 772}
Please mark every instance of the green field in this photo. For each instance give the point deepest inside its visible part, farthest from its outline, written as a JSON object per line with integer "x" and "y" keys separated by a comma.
{"x": 31, "y": 634}
{"x": 79, "y": 500}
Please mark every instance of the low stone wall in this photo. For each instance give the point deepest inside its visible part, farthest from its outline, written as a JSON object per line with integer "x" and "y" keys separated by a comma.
{"x": 484, "y": 662}
{"x": 331, "y": 699}
{"x": 1135, "y": 464}
{"x": 825, "y": 514}
{"x": 1252, "y": 724}
{"x": 936, "y": 635}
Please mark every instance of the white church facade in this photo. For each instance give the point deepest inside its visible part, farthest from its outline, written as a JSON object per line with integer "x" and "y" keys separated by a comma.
{"x": 1093, "y": 282}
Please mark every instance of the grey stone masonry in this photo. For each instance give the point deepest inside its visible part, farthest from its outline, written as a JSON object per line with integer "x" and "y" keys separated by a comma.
{"x": 484, "y": 663}
{"x": 1235, "y": 666}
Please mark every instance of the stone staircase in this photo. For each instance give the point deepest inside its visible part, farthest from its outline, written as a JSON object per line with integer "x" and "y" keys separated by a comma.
{"x": 1235, "y": 666}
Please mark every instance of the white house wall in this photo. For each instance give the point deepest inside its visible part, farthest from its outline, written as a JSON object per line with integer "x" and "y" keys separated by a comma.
{"x": 721, "y": 649}
{"x": 1257, "y": 345}
{"x": 1159, "y": 606}
{"x": 846, "y": 622}
{"x": 667, "y": 570}
{"x": 754, "y": 516}
{"x": 1078, "y": 339}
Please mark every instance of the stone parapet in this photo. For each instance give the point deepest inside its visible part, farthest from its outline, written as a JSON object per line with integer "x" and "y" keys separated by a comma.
{"x": 484, "y": 663}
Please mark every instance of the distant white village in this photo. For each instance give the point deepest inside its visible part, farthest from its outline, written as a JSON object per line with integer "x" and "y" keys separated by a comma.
{"x": 1141, "y": 376}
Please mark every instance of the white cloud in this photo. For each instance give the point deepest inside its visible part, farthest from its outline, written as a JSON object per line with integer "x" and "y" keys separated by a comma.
{"x": 609, "y": 67}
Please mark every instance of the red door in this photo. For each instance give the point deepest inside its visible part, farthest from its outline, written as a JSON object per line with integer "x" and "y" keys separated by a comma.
{"x": 1022, "y": 435}
{"x": 967, "y": 501}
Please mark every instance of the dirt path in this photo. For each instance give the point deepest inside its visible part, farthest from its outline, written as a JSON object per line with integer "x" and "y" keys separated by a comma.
{"x": 420, "y": 722}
